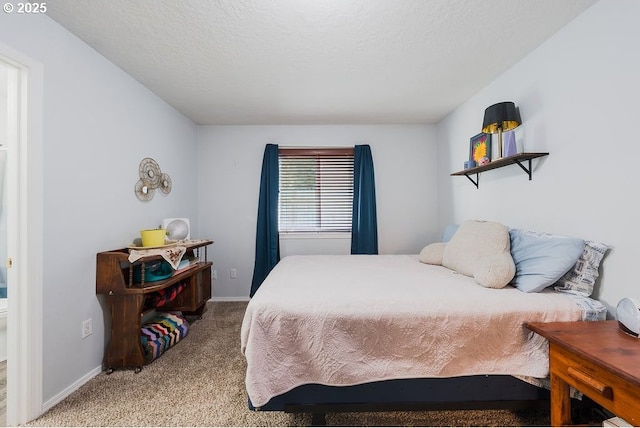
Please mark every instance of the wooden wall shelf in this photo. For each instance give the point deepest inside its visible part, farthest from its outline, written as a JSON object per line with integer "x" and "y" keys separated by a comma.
{"x": 517, "y": 159}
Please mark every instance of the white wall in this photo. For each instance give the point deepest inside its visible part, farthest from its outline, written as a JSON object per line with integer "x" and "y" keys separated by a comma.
{"x": 99, "y": 123}
{"x": 578, "y": 97}
{"x": 229, "y": 164}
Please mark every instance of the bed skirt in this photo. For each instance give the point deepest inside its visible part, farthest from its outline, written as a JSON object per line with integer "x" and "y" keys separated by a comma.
{"x": 456, "y": 393}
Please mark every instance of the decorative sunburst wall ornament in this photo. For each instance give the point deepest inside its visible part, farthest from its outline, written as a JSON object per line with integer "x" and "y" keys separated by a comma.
{"x": 151, "y": 178}
{"x": 165, "y": 183}
{"x": 143, "y": 191}
{"x": 149, "y": 171}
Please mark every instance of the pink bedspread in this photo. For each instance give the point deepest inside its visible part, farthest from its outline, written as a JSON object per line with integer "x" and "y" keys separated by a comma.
{"x": 345, "y": 320}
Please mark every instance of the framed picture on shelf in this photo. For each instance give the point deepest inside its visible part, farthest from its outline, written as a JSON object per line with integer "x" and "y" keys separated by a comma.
{"x": 480, "y": 148}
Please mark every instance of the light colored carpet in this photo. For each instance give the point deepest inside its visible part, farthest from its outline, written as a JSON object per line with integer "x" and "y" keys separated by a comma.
{"x": 200, "y": 382}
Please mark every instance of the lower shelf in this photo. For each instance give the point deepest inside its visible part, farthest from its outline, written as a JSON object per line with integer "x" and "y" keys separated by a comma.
{"x": 161, "y": 333}
{"x": 125, "y": 350}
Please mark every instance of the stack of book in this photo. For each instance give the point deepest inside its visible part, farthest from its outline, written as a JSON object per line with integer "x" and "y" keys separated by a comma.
{"x": 186, "y": 263}
{"x": 616, "y": 422}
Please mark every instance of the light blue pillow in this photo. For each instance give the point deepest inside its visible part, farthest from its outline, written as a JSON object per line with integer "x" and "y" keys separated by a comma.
{"x": 449, "y": 231}
{"x": 541, "y": 258}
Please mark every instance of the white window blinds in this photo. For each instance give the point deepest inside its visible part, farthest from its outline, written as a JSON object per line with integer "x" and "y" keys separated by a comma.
{"x": 316, "y": 190}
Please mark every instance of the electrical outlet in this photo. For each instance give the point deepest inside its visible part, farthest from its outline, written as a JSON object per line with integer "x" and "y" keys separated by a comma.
{"x": 86, "y": 328}
{"x": 233, "y": 273}
{"x": 214, "y": 274}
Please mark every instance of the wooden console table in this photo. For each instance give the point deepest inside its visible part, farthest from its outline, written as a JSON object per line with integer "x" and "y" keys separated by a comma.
{"x": 127, "y": 300}
{"x": 599, "y": 360}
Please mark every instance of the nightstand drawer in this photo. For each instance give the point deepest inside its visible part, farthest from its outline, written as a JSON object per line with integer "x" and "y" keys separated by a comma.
{"x": 596, "y": 382}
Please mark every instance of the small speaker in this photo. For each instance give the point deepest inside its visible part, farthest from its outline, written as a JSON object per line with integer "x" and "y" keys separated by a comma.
{"x": 178, "y": 229}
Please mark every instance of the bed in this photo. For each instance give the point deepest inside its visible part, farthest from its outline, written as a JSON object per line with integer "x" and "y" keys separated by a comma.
{"x": 381, "y": 332}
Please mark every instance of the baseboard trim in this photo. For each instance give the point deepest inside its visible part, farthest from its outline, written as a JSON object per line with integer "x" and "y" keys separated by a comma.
{"x": 70, "y": 389}
{"x": 230, "y": 299}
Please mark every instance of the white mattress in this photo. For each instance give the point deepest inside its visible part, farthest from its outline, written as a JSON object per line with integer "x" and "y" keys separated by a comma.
{"x": 345, "y": 320}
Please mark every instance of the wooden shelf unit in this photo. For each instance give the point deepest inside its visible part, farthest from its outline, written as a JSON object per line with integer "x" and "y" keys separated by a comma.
{"x": 517, "y": 159}
{"x": 126, "y": 300}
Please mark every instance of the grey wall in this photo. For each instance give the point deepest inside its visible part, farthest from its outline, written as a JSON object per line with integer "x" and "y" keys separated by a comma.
{"x": 99, "y": 123}
{"x": 578, "y": 97}
{"x": 229, "y": 164}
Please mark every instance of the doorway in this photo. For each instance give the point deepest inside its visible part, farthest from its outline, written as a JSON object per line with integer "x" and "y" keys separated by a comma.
{"x": 5, "y": 135}
{"x": 21, "y": 238}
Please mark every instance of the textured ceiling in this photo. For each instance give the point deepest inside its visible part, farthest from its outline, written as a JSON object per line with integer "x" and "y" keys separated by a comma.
{"x": 314, "y": 61}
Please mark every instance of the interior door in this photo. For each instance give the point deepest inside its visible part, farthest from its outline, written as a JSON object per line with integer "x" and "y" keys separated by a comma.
{"x": 21, "y": 131}
{"x": 6, "y": 97}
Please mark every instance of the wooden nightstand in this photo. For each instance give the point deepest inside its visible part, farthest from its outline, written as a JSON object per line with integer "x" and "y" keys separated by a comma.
{"x": 597, "y": 359}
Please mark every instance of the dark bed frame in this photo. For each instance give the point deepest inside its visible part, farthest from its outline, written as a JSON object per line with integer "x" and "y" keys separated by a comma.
{"x": 456, "y": 393}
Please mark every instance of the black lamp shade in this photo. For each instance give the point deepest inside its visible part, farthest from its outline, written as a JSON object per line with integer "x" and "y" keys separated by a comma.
{"x": 501, "y": 116}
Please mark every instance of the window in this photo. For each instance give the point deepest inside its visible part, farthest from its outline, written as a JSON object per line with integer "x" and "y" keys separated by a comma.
{"x": 316, "y": 190}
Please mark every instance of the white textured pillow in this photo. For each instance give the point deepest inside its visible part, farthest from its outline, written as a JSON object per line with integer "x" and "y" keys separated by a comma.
{"x": 480, "y": 249}
{"x": 432, "y": 253}
{"x": 495, "y": 270}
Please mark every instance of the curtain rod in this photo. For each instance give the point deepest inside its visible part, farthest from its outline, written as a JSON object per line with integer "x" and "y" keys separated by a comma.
{"x": 326, "y": 151}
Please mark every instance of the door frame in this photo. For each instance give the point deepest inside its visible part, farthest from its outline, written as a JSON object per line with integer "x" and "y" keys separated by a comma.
{"x": 25, "y": 243}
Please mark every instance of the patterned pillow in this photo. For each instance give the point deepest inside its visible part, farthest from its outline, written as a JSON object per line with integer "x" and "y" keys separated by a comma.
{"x": 581, "y": 278}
